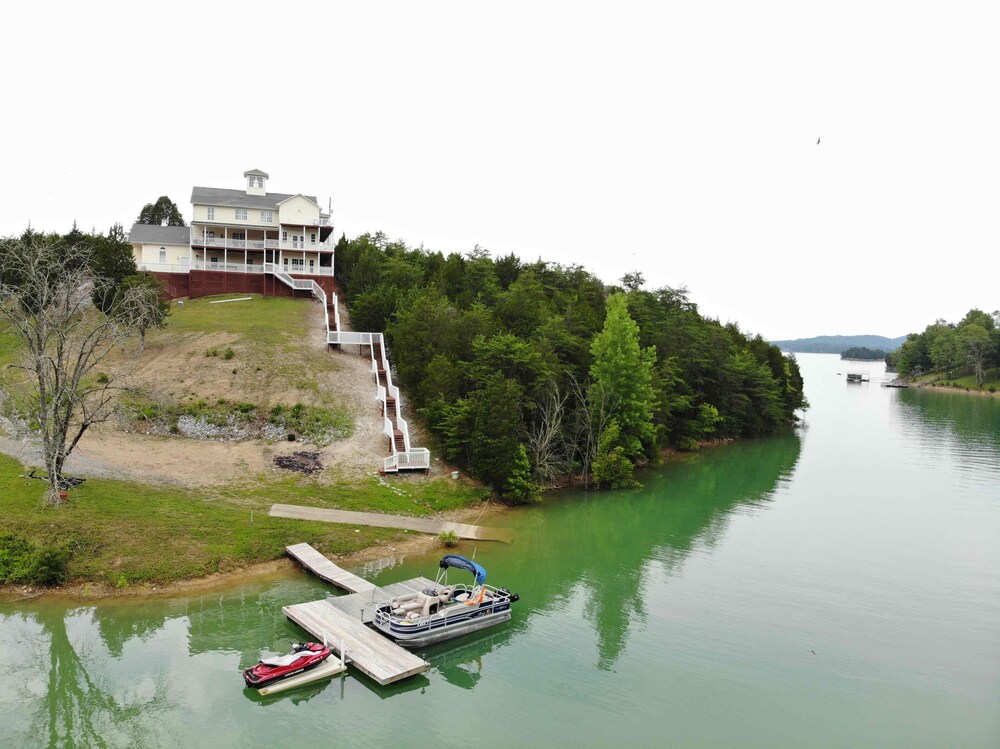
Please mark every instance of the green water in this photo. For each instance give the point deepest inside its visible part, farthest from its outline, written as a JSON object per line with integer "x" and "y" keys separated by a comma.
{"x": 835, "y": 587}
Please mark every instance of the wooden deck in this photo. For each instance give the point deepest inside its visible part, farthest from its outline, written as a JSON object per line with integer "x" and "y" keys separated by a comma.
{"x": 367, "y": 650}
{"x": 323, "y": 568}
{"x": 377, "y": 520}
{"x": 340, "y": 621}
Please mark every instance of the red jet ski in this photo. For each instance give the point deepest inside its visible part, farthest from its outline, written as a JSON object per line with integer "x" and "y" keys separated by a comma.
{"x": 304, "y": 655}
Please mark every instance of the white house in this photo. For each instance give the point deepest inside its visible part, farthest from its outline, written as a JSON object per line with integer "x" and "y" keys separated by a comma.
{"x": 236, "y": 238}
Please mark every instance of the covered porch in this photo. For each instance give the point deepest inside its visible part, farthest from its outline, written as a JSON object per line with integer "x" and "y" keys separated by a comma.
{"x": 228, "y": 260}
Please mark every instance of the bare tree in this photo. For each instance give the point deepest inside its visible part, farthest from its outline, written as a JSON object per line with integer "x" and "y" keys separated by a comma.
{"x": 545, "y": 441}
{"x": 45, "y": 297}
{"x": 595, "y": 408}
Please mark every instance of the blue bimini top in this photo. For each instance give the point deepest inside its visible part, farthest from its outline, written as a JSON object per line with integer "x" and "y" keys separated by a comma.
{"x": 454, "y": 560}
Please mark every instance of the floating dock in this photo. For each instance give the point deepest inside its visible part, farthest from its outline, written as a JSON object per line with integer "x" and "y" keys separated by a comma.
{"x": 340, "y": 621}
{"x": 378, "y": 520}
{"x": 326, "y": 670}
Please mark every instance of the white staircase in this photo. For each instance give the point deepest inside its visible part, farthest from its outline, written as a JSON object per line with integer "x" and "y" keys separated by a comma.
{"x": 396, "y": 428}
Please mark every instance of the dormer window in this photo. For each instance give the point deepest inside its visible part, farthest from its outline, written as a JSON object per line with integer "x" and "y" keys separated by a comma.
{"x": 256, "y": 181}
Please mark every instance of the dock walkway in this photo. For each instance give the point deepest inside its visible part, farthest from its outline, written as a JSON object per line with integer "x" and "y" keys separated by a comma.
{"x": 378, "y": 520}
{"x": 340, "y": 620}
{"x": 323, "y": 568}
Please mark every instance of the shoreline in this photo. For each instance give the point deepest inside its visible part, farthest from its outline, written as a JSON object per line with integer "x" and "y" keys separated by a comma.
{"x": 89, "y": 592}
{"x": 950, "y": 389}
{"x": 417, "y": 543}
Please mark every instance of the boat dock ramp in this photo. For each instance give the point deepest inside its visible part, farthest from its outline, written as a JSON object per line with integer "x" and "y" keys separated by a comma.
{"x": 378, "y": 520}
{"x": 895, "y": 383}
{"x": 339, "y": 621}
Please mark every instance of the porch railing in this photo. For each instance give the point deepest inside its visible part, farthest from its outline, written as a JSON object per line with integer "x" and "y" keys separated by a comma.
{"x": 164, "y": 267}
{"x": 261, "y": 244}
{"x": 321, "y": 270}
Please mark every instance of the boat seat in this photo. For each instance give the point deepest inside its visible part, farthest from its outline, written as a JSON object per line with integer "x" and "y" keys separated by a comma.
{"x": 283, "y": 660}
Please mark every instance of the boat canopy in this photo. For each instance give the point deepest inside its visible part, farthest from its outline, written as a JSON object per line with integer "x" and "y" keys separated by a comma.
{"x": 454, "y": 560}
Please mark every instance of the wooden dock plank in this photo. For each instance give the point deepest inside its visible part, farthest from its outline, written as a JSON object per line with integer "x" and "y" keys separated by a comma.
{"x": 368, "y": 651}
{"x": 323, "y": 568}
{"x": 377, "y": 520}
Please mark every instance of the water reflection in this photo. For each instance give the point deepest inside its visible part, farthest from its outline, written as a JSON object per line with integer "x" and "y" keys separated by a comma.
{"x": 953, "y": 428}
{"x": 80, "y": 703}
{"x": 607, "y": 543}
{"x": 461, "y": 662}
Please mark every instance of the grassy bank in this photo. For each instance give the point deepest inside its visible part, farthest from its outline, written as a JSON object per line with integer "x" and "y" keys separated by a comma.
{"x": 122, "y": 534}
{"x": 964, "y": 381}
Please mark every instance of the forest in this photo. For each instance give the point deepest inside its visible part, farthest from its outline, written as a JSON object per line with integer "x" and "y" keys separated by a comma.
{"x": 529, "y": 374}
{"x": 863, "y": 353}
{"x": 972, "y": 344}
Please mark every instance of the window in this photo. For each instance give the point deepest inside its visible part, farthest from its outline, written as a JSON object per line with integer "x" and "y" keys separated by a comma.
{"x": 238, "y": 235}
{"x": 256, "y": 181}
{"x": 286, "y": 263}
{"x": 209, "y": 235}
{"x": 163, "y": 254}
{"x": 284, "y": 236}
{"x": 241, "y": 214}
{"x": 213, "y": 260}
{"x": 210, "y": 213}
{"x": 312, "y": 265}
{"x": 266, "y": 217}
{"x": 296, "y": 263}
{"x": 312, "y": 238}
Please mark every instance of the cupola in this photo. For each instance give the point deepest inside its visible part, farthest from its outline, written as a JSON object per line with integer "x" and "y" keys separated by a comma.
{"x": 256, "y": 182}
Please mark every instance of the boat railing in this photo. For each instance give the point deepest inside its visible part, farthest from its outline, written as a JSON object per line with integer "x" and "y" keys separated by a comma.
{"x": 497, "y": 597}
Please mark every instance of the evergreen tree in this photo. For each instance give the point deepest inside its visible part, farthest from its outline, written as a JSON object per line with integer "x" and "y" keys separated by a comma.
{"x": 624, "y": 371}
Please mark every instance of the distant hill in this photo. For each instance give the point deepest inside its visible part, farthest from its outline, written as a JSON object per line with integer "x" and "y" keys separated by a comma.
{"x": 835, "y": 344}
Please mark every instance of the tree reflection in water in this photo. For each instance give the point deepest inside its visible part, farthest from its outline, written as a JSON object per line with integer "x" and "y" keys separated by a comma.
{"x": 81, "y": 707}
{"x": 605, "y": 542}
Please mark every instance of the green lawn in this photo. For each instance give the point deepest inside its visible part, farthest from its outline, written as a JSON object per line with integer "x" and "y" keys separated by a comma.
{"x": 122, "y": 533}
{"x": 962, "y": 379}
{"x": 262, "y": 320}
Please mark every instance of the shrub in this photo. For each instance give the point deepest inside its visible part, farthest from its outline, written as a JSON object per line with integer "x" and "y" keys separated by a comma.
{"x": 48, "y": 565}
{"x": 228, "y": 354}
{"x": 103, "y": 378}
{"x": 448, "y": 538}
{"x": 21, "y": 561}
{"x": 212, "y": 352}
{"x": 688, "y": 444}
{"x": 15, "y": 556}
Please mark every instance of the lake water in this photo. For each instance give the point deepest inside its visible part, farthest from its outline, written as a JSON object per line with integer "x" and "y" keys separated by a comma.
{"x": 838, "y": 586}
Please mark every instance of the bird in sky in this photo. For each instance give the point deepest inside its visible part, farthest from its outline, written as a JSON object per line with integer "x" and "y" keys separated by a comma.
{"x": 817, "y": 141}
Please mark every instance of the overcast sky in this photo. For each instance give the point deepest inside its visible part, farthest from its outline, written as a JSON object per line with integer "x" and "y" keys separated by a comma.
{"x": 676, "y": 138}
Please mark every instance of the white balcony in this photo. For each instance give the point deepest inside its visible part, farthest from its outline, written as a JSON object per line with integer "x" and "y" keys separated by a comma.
{"x": 261, "y": 244}
{"x": 163, "y": 267}
{"x": 222, "y": 267}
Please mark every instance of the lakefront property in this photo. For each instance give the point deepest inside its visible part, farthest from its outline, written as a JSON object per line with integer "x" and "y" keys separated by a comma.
{"x": 275, "y": 244}
{"x": 237, "y": 239}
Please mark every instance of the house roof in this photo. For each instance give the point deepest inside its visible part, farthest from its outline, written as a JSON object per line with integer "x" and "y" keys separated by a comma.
{"x": 239, "y": 199}
{"x": 156, "y": 234}
{"x": 256, "y": 173}
{"x": 300, "y": 195}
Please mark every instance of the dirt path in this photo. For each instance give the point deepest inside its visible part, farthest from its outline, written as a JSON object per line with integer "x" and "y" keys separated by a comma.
{"x": 108, "y": 452}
